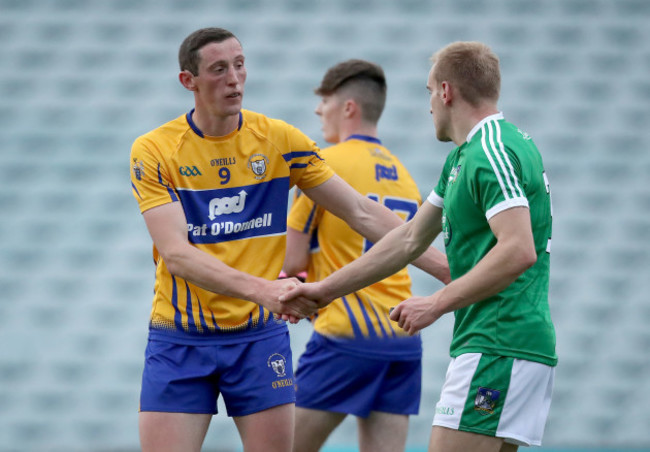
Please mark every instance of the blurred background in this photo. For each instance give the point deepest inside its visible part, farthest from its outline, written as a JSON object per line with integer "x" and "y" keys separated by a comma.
{"x": 81, "y": 79}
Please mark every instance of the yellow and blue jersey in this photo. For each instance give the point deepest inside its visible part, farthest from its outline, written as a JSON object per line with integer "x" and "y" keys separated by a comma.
{"x": 234, "y": 192}
{"x": 359, "y": 320}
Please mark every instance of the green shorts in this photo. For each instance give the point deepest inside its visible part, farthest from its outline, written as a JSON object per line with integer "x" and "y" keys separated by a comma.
{"x": 496, "y": 396}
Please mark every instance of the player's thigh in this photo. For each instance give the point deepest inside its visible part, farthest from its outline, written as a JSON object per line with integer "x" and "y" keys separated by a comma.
{"x": 270, "y": 430}
{"x": 383, "y": 432}
{"x": 313, "y": 427}
{"x": 172, "y": 432}
{"x": 444, "y": 439}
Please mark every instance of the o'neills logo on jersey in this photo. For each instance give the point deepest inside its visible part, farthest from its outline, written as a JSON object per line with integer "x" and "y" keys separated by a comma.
{"x": 226, "y": 205}
{"x": 258, "y": 164}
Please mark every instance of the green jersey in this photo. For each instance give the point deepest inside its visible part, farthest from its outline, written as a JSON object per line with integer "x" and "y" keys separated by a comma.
{"x": 497, "y": 168}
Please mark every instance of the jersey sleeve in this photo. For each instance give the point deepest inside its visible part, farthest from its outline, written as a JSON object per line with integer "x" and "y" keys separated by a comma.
{"x": 496, "y": 182}
{"x": 307, "y": 166}
{"x": 150, "y": 180}
{"x": 304, "y": 214}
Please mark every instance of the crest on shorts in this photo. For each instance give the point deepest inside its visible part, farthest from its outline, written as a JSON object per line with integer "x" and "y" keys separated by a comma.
{"x": 279, "y": 365}
{"x": 486, "y": 400}
{"x": 258, "y": 164}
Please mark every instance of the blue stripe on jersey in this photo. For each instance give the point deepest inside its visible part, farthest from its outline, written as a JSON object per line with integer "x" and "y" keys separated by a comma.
{"x": 314, "y": 246}
{"x": 194, "y": 127}
{"x": 381, "y": 325}
{"x": 177, "y": 313}
{"x": 226, "y": 214}
{"x": 198, "y": 131}
{"x": 371, "y": 329}
{"x": 204, "y": 325}
{"x": 353, "y": 321}
{"x": 390, "y": 325}
{"x": 191, "y": 326}
{"x": 298, "y": 154}
{"x": 172, "y": 195}
{"x": 214, "y": 322}
{"x": 367, "y": 138}
{"x": 261, "y": 316}
{"x": 298, "y": 165}
{"x": 310, "y": 219}
{"x": 136, "y": 190}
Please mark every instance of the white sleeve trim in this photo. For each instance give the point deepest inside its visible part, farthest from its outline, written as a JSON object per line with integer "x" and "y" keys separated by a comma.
{"x": 435, "y": 199}
{"x": 505, "y": 205}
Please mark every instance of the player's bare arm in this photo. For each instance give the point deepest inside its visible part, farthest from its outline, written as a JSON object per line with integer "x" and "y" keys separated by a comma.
{"x": 512, "y": 255}
{"x": 390, "y": 254}
{"x": 373, "y": 220}
{"x": 168, "y": 229}
{"x": 296, "y": 258}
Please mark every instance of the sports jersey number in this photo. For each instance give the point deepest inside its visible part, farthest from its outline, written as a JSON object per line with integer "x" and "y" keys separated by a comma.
{"x": 550, "y": 199}
{"x": 224, "y": 174}
{"x": 405, "y": 206}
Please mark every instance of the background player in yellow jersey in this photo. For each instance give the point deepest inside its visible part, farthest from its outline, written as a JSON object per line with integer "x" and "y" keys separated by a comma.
{"x": 213, "y": 188}
{"x": 357, "y": 361}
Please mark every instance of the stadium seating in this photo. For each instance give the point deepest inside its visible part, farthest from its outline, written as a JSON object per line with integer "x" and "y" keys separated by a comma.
{"x": 81, "y": 79}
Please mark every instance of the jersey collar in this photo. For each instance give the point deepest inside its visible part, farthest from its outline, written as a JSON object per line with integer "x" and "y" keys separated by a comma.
{"x": 367, "y": 138}
{"x": 198, "y": 131}
{"x": 494, "y": 117}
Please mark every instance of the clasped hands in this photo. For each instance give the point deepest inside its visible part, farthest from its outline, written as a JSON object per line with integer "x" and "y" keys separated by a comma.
{"x": 299, "y": 300}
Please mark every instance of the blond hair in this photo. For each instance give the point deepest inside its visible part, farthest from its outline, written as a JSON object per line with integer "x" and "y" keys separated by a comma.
{"x": 471, "y": 67}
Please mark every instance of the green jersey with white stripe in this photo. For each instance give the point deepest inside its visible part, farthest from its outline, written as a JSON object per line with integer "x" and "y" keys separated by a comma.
{"x": 497, "y": 168}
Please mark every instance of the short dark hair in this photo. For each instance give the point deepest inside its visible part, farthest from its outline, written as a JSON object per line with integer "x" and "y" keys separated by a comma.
{"x": 472, "y": 67}
{"x": 362, "y": 80}
{"x": 188, "y": 54}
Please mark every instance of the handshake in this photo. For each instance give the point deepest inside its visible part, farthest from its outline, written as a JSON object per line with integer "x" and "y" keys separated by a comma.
{"x": 291, "y": 299}
{"x": 297, "y": 300}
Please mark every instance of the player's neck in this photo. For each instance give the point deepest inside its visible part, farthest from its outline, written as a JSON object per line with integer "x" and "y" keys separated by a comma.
{"x": 466, "y": 118}
{"x": 359, "y": 129}
{"x": 214, "y": 125}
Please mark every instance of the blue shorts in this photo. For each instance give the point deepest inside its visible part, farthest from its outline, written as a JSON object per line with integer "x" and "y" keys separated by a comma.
{"x": 328, "y": 379}
{"x": 251, "y": 376}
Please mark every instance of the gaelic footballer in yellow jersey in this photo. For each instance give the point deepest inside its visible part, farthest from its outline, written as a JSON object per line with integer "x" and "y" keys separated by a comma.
{"x": 360, "y": 319}
{"x": 233, "y": 190}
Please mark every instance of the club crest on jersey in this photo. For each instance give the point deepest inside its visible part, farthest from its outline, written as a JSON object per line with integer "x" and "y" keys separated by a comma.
{"x": 138, "y": 169}
{"x": 258, "y": 164}
{"x": 279, "y": 365}
{"x": 486, "y": 399}
{"x": 453, "y": 175}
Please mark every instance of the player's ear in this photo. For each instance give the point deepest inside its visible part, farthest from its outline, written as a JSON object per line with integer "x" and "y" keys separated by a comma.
{"x": 446, "y": 92}
{"x": 350, "y": 107}
{"x": 187, "y": 80}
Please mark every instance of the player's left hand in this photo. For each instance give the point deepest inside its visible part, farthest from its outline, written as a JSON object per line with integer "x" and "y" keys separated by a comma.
{"x": 415, "y": 313}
